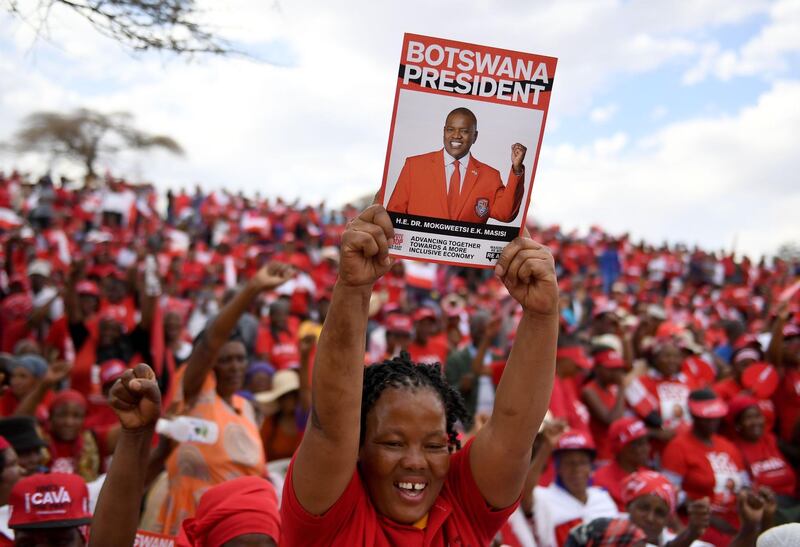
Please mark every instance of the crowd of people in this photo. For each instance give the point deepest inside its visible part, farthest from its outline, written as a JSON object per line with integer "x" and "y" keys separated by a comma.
{"x": 165, "y": 371}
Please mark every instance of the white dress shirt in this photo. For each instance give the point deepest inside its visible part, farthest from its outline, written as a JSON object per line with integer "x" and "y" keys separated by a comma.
{"x": 449, "y": 167}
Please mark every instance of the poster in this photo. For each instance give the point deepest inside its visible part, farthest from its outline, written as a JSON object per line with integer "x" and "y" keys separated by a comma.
{"x": 455, "y": 198}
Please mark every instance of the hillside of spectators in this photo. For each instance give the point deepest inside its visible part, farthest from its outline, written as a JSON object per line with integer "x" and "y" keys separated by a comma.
{"x": 679, "y": 362}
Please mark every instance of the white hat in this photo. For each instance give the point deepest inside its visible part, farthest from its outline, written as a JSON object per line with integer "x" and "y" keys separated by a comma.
{"x": 780, "y": 536}
{"x": 610, "y": 341}
{"x": 283, "y": 382}
{"x": 39, "y": 267}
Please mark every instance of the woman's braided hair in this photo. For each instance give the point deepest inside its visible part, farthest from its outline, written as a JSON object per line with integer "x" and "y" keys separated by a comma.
{"x": 402, "y": 373}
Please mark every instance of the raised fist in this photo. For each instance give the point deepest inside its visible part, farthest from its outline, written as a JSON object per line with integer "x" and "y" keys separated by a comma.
{"x": 136, "y": 399}
{"x": 365, "y": 247}
{"x": 528, "y": 271}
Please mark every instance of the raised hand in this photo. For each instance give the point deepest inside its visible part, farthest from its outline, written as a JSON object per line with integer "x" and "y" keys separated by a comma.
{"x": 699, "y": 512}
{"x": 552, "y": 431}
{"x": 272, "y": 275}
{"x": 57, "y": 371}
{"x": 136, "y": 399}
{"x": 365, "y": 247}
{"x": 528, "y": 271}
{"x": 517, "y": 157}
{"x": 751, "y": 508}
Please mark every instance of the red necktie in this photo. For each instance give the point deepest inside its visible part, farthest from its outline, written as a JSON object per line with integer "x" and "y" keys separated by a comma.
{"x": 454, "y": 192}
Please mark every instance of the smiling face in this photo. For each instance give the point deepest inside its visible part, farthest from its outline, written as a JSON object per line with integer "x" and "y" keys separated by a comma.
{"x": 405, "y": 455}
{"x": 650, "y": 513}
{"x": 574, "y": 469}
{"x": 460, "y": 133}
{"x": 668, "y": 360}
{"x": 750, "y": 424}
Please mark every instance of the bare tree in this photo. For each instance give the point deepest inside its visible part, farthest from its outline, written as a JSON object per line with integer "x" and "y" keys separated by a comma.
{"x": 141, "y": 25}
{"x": 85, "y": 135}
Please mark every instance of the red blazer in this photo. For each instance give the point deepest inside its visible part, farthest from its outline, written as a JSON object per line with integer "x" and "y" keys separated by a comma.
{"x": 421, "y": 189}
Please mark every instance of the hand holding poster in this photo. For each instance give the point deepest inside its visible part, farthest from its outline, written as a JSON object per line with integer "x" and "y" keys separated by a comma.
{"x": 447, "y": 205}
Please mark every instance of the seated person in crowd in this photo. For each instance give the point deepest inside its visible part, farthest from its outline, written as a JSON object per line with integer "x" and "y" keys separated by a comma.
{"x": 570, "y": 500}
{"x": 765, "y": 464}
{"x": 703, "y": 464}
{"x": 631, "y": 449}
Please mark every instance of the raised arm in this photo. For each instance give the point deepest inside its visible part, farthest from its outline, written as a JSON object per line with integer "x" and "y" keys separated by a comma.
{"x": 56, "y": 371}
{"x": 501, "y": 452}
{"x": 205, "y": 351}
{"x": 326, "y": 458}
{"x": 136, "y": 400}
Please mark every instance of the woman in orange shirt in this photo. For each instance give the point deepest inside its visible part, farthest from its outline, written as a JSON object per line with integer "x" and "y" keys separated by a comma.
{"x": 236, "y": 449}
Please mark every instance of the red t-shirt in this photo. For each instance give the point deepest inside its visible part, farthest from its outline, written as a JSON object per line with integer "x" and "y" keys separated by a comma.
{"x": 610, "y": 477}
{"x": 715, "y": 471}
{"x": 459, "y": 516}
{"x": 600, "y": 430}
{"x": 729, "y": 388}
{"x": 565, "y": 404}
{"x": 767, "y": 466}
{"x": 434, "y": 351}
{"x": 282, "y": 350}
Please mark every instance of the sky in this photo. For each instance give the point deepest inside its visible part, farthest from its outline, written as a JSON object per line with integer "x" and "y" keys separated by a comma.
{"x": 673, "y": 121}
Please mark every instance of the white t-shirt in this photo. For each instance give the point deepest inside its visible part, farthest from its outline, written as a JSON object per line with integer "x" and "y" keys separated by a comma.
{"x": 555, "y": 508}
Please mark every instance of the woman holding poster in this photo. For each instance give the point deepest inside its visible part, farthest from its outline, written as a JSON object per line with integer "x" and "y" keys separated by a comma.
{"x": 380, "y": 462}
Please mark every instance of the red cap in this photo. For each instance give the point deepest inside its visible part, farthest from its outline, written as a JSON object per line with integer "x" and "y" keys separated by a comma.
{"x": 397, "y": 322}
{"x": 609, "y": 359}
{"x": 111, "y": 370}
{"x": 711, "y": 408}
{"x": 4, "y": 444}
{"x": 642, "y": 483}
{"x": 87, "y": 287}
{"x": 574, "y": 439}
{"x": 624, "y": 431}
{"x": 761, "y": 379}
{"x": 739, "y": 404}
{"x": 576, "y": 354}
{"x": 424, "y": 313}
{"x": 55, "y": 500}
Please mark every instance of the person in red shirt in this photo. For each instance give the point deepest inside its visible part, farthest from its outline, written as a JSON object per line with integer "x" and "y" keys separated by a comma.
{"x": 765, "y": 463}
{"x": 660, "y": 397}
{"x": 650, "y": 500}
{"x": 73, "y": 448}
{"x": 572, "y": 363}
{"x": 629, "y": 445}
{"x": 29, "y": 387}
{"x": 276, "y": 341}
{"x": 605, "y": 398}
{"x": 375, "y": 466}
{"x": 703, "y": 464}
{"x": 427, "y": 346}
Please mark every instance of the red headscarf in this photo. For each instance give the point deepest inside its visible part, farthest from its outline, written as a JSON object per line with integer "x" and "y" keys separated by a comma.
{"x": 246, "y": 505}
{"x": 642, "y": 483}
{"x": 67, "y": 396}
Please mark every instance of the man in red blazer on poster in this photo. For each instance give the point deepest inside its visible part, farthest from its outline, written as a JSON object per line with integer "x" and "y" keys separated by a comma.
{"x": 451, "y": 184}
